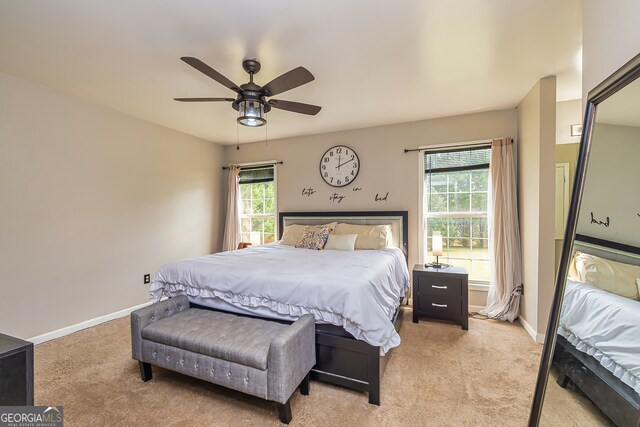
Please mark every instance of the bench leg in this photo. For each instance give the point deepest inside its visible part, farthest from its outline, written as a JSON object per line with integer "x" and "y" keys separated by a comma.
{"x": 304, "y": 385}
{"x": 284, "y": 412}
{"x": 145, "y": 371}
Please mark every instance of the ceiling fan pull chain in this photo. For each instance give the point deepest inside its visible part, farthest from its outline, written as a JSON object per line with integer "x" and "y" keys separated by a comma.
{"x": 237, "y": 136}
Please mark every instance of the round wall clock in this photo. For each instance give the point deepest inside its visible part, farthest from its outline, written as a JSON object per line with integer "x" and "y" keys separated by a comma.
{"x": 339, "y": 166}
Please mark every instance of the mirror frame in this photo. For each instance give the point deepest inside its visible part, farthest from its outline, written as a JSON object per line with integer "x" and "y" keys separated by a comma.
{"x": 612, "y": 84}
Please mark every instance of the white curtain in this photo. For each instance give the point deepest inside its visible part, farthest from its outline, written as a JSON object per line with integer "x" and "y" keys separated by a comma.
{"x": 505, "y": 288}
{"x": 232, "y": 221}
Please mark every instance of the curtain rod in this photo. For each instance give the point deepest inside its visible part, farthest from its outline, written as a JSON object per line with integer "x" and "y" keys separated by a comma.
{"x": 471, "y": 144}
{"x": 271, "y": 162}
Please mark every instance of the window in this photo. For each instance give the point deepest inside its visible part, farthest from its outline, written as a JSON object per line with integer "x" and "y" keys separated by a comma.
{"x": 456, "y": 188}
{"x": 257, "y": 205}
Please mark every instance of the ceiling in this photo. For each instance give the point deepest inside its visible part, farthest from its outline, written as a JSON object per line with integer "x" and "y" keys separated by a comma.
{"x": 376, "y": 62}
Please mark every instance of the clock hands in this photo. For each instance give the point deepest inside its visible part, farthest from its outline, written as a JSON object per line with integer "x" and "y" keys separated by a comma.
{"x": 342, "y": 164}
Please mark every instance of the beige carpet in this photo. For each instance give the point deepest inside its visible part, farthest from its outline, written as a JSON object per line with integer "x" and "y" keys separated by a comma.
{"x": 439, "y": 376}
{"x": 569, "y": 407}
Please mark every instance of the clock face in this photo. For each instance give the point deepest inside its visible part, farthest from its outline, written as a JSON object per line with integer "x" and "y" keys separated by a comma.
{"x": 339, "y": 166}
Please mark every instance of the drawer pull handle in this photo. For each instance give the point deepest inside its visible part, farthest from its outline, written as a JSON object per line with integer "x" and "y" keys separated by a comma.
{"x": 439, "y": 287}
{"x": 439, "y": 305}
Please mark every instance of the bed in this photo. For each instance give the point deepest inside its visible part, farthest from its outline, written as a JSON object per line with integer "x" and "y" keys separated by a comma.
{"x": 598, "y": 341}
{"x": 355, "y": 296}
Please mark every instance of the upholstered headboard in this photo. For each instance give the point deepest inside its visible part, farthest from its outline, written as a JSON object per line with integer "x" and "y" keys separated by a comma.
{"x": 606, "y": 249}
{"x": 398, "y": 220}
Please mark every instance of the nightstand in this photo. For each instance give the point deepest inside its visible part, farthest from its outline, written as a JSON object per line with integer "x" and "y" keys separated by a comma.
{"x": 441, "y": 293}
{"x": 16, "y": 372}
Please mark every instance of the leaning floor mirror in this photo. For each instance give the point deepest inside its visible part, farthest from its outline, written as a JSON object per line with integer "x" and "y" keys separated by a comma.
{"x": 590, "y": 367}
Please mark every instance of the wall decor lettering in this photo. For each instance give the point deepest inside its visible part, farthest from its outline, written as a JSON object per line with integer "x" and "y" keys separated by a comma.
{"x": 381, "y": 199}
{"x": 597, "y": 222}
{"x": 308, "y": 191}
{"x": 336, "y": 198}
{"x": 357, "y": 188}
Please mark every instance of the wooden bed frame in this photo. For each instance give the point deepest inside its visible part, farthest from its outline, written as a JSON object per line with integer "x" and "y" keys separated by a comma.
{"x": 342, "y": 359}
{"x": 614, "y": 398}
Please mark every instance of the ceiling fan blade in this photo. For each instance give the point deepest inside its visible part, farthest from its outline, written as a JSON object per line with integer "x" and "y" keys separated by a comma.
{"x": 287, "y": 81}
{"x": 296, "y": 107}
{"x": 202, "y": 99}
{"x": 205, "y": 69}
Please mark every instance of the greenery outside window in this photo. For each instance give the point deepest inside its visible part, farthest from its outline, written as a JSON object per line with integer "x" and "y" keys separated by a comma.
{"x": 456, "y": 192}
{"x": 257, "y": 205}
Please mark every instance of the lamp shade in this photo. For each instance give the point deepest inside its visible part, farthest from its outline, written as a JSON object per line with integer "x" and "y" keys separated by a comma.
{"x": 436, "y": 243}
{"x": 250, "y": 113}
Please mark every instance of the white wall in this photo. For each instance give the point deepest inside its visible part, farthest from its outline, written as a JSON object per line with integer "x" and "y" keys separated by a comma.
{"x": 93, "y": 199}
{"x": 384, "y": 165}
{"x": 610, "y": 39}
{"x": 536, "y": 201}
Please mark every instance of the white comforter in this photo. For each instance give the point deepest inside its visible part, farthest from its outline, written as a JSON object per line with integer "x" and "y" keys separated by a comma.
{"x": 358, "y": 290}
{"x": 605, "y": 326}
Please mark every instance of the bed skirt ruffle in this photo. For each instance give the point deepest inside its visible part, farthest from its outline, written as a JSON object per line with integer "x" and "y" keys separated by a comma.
{"x": 159, "y": 289}
{"x": 617, "y": 370}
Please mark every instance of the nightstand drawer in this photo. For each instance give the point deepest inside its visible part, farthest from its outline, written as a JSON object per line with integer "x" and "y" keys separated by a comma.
{"x": 444, "y": 286}
{"x": 444, "y": 306}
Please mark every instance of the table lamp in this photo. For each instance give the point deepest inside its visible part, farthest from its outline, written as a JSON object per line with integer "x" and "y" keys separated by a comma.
{"x": 436, "y": 248}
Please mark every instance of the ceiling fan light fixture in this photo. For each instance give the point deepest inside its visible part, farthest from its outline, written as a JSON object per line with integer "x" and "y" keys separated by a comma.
{"x": 251, "y": 113}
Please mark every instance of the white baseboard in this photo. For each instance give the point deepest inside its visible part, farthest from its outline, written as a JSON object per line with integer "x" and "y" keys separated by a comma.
{"x": 538, "y": 338}
{"x": 84, "y": 325}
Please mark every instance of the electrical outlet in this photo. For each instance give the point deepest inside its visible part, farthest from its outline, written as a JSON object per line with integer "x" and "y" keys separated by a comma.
{"x": 147, "y": 278}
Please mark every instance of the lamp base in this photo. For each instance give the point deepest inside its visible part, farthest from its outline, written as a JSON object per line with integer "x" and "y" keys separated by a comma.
{"x": 436, "y": 264}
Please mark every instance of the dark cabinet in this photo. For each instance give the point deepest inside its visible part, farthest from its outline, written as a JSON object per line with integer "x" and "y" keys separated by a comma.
{"x": 441, "y": 293}
{"x": 16, "y": 372}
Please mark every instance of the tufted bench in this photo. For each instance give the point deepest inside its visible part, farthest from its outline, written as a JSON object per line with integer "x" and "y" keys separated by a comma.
{"x": 259, "y": 357}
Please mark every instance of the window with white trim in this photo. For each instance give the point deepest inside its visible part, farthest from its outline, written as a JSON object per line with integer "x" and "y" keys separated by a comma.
{"x": 257, "y": 204}
{"x": 456, "y": 191}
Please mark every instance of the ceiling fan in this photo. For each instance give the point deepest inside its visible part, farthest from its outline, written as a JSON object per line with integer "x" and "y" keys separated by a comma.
{"x": 251, "y": 102}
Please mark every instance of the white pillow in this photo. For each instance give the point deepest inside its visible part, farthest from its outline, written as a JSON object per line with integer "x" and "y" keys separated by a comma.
{"x": 369, "y": 236}
{"x": 292, "y": 234}
{"x": 611, "y": 276}
{"x": 573, "y": 272}
{"x": 342, "y": 242}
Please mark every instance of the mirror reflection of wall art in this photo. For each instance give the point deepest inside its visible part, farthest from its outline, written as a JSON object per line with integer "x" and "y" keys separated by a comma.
{"x": 576, "y": 130}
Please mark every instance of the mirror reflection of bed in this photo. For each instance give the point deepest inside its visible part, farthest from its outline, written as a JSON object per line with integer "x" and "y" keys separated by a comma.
{"x": 598, "y": 335}
{"x": 595, "y": 374}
